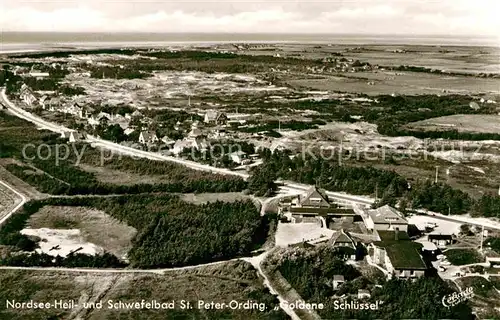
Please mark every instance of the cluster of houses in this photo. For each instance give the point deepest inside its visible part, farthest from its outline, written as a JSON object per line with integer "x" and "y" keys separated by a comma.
{"x": 386, "y": 236}
{"x": 212, "y": 128}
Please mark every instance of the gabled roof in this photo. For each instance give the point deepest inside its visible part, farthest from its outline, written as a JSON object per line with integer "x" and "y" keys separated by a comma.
{"x": 387, "y": 214}
{"x": 313, "y": 193}
{"x": 211, "y": 115}
{"x": 238, "y": 153}
{"x": 341, "y": 237}
{"x": 195, "y": 132}
{"x": 147, "y": 135}
{"x": 136, "y": 113}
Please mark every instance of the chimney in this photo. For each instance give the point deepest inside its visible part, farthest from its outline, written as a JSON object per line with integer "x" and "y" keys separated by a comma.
{"x": 396, "y": 234}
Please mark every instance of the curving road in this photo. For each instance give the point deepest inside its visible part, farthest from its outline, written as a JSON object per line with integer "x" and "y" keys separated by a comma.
{"x": 23, "y": 201}
{"x": 114, "y": 147}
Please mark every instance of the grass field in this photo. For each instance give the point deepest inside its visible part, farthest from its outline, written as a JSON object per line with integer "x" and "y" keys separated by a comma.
{"x": 95, "y": 226}
{"x": 221, "y": 283}
{"x": 108, "y": 175}
{"x": 464, "y": 123}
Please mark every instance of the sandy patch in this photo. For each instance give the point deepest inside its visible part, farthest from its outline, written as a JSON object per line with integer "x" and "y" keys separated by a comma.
{"x": 94, "y": 226}
{"x": 62, "y": 242}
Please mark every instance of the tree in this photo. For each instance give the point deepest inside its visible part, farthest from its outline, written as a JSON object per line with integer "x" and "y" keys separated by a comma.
{"x": 261, "y": 182}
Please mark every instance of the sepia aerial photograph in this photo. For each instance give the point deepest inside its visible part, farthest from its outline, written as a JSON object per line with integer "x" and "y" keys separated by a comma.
{"x": 249, "y": 160}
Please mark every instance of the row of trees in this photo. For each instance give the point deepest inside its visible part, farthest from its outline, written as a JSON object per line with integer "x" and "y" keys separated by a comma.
{"x": 437, "y": 71}
{"x": 34, "y": 259}
{"x": 391, "y": 187}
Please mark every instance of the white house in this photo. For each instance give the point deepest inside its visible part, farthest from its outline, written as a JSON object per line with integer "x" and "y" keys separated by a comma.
{"x": 197, "y": 144}
{"x": 42, "y": 101}
{"x": 384, "y": 218}
{"x": 364, "y": 294}
{"x": 215, "y": 117}
{"x": 238, "y": 156}
{"x": 128, "y": 131}
{"x": 93, "y": 121}
{"x": 195, "y": 133}
{"x": 180, "y": 145}
{"x": 38, "y": 74}
{"x": 103, "y": 115}
{"x": 137, "y": 114}
{"x": 85, "y": 112}
{"x": 338, "y": 280}
{"x": 75, "y": 136}
{"x": 146, "y": 137}
{"x": 167, "y": 141}
{"x": 27, "y": 95}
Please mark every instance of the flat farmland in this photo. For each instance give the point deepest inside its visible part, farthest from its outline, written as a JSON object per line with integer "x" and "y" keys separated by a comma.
{"x": 464, "y": 123}
{"x": 468, "y": 59}
{"x": 410, "y": 83}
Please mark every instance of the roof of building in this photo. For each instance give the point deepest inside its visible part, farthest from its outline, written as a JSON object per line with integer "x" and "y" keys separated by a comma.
{"x": 77, "y": 135}
{"x": 213, "y": 115}
{"x": 314, "y": 193}
{"x": 195, "y": 132}
{"x": 341, "y": 237}
{"x": 147, "y": 135}
{"x": 183, "y": 144}
{"x": 238, "y": 153}
{"x": 303, "y": 245}
{"x": 338, "y": 277}
{"x": 403, "y": 253}
{"x": 167, "y": 140}
{"x": 323, "y": 211}
{"x": 435, "y": 236}
{"x": 429, "y": 246}
{"x": 387, "y": 214}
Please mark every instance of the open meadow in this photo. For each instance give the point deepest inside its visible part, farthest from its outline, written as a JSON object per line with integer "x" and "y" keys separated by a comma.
{"x": 219, "y": 283}
{"x": 487, "y": 123}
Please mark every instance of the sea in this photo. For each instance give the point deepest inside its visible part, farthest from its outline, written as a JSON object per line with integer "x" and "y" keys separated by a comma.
{"x": 11, "y": 42}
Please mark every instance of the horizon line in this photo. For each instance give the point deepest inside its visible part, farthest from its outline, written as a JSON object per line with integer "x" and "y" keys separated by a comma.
{"x": 260, "y": 33}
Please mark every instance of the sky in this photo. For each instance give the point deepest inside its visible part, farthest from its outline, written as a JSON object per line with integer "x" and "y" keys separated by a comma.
{"x": 415, "y": 17}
